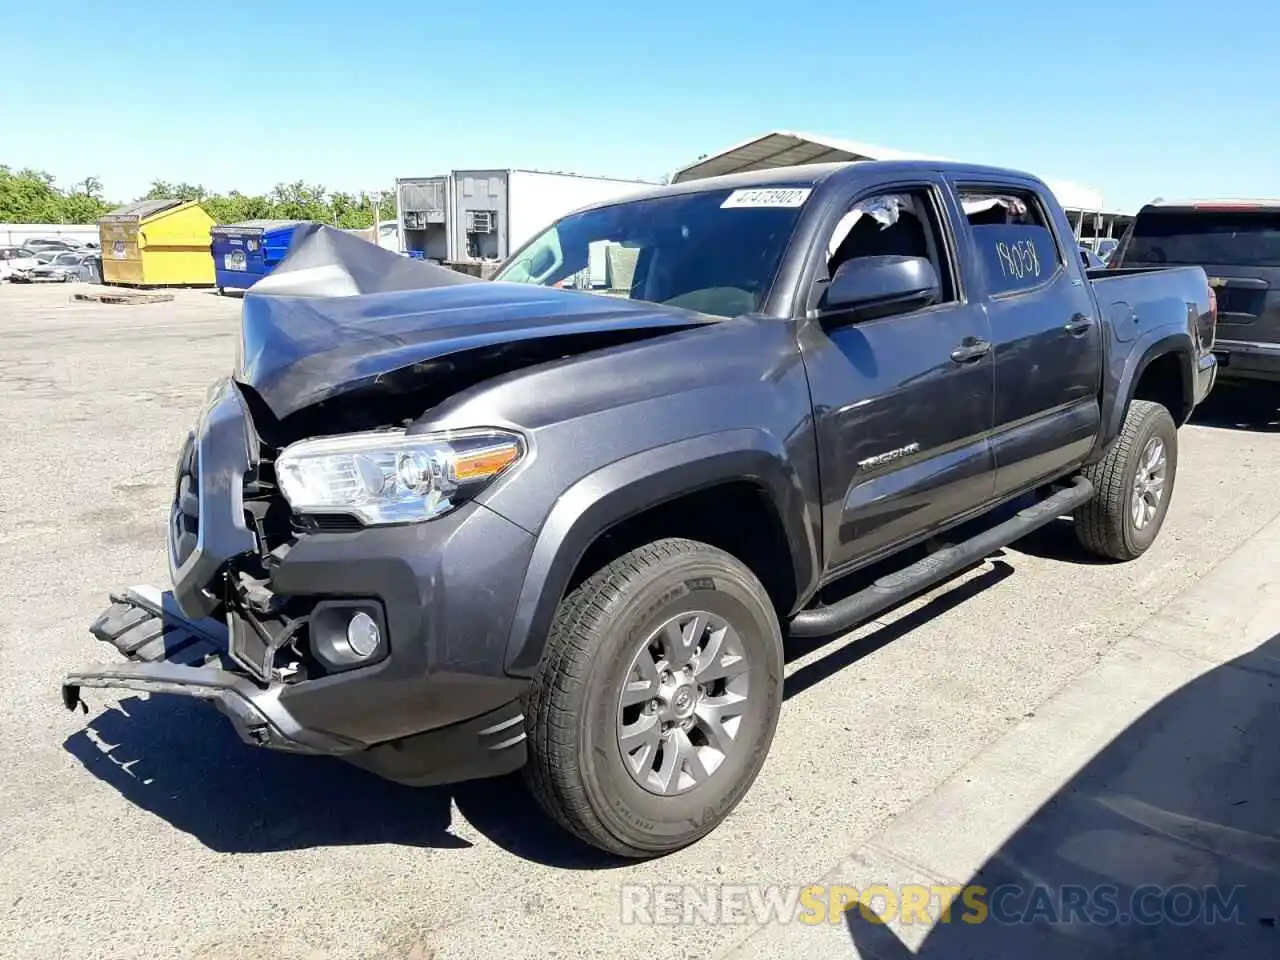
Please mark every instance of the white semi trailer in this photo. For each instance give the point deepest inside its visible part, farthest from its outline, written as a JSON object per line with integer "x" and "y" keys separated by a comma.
{"x": 477, "y": 218}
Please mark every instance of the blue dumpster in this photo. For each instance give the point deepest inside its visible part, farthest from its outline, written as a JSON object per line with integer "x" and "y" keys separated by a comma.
{"x": 244, "y": 253}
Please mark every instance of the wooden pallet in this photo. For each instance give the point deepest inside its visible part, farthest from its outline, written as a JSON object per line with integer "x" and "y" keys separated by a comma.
{"x": 121, "y": 296}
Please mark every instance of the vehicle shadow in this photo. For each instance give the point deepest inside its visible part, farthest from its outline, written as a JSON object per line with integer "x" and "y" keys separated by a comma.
{"x": 181, "y": 761}
{"x": 850, "y": 653}
{"x": 1252, "y": 407}
{"x": 1168, "y": 841}
{"x": 1057, "y": 541}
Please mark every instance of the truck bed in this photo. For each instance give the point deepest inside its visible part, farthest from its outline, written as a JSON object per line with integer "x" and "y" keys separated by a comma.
{"x": 1129, "y": 296}
{"x": 1135, "y": 303}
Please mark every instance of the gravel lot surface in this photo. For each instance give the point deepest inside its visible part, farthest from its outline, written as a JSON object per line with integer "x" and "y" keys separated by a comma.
{"x": 146, "y": 829}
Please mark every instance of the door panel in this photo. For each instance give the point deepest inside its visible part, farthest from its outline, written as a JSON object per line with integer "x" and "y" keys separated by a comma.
{"x": 1046, "y": 335}
{"x": 1039, "y": 447}
{"x": 1047, "y": 382}
{"x": 902, "y": 427}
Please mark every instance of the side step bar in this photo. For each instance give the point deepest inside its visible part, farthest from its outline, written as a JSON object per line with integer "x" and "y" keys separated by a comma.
{"x": 903, "y": 584}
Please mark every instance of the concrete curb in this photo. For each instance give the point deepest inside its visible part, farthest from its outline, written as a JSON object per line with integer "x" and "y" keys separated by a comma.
{"x": 948, "y": 835}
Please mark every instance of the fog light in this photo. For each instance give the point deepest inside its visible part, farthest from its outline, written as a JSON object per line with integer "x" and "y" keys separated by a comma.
{"x": 347, "y": 633}
{"x": 363, "y": 635}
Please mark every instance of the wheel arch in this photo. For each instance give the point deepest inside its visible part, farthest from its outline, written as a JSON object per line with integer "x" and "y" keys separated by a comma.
{"x": 1161, "y": 369}
{"x": 641, "y": 487}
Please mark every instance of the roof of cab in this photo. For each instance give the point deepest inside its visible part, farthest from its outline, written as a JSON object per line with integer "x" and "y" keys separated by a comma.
{"x": 811, "y": 175}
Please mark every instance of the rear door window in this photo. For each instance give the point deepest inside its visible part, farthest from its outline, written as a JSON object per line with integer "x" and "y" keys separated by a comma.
{"x": 1014, "y": 240}
{"x": 1236, "y": 238}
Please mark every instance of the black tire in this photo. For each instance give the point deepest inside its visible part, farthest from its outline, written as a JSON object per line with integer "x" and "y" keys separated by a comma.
{"x": 576, "y": 768}
{"x": 1106, "y": 525}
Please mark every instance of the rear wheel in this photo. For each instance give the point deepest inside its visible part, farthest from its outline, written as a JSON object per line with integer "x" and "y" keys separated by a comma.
{"x": 1132, "y": 485}
{"x": 656, "y": 699}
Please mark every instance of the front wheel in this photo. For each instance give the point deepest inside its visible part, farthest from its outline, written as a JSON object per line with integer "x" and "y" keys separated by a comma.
{"x": 1132, "y": 485}
{"x": 656, "y": 698}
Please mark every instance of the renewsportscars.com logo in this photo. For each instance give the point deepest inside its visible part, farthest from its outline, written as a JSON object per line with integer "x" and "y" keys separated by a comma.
{"x": 1103, "y": 905}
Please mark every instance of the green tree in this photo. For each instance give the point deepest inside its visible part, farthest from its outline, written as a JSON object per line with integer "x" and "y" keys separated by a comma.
{"x": 32, "y": 196}
{"x": 28, "y": 196}
{"x": 163, "y": 190}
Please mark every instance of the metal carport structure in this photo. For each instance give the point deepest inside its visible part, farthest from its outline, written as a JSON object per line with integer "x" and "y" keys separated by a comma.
{"x": 783, "y": 148}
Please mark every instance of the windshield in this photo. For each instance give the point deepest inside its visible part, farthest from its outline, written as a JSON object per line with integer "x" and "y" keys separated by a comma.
{"x": 714, "y": 252}
{"x": 66, "y": 258}
{"x": 1217, "y": 238}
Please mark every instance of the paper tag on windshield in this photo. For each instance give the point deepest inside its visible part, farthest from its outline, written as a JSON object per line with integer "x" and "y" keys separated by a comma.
{"x": 767, "y": 197}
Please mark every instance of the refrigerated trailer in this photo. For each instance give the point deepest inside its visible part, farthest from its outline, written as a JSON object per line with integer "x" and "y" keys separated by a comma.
{"x": 479, "y": 217}
{"x": 422, "y": 216}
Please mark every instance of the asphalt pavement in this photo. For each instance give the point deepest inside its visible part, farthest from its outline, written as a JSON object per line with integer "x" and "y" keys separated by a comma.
{"x": 146, "y": 829}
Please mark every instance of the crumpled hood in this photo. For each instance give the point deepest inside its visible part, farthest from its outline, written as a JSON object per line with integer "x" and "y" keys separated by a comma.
{"x": 298, "y": 351}
{"x": 338, "y": 314}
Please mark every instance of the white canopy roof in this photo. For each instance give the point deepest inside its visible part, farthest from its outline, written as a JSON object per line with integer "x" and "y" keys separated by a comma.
{"x": 784, "y": 148}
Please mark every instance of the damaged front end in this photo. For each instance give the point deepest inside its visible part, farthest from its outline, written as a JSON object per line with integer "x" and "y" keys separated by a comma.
{"x": 318, "y": 625}
{"x": 221, "y": 634}
{"x": 317, "y": 634}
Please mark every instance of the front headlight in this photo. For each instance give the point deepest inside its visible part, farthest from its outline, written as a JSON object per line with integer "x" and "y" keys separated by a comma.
{"x": 391, "y": 476}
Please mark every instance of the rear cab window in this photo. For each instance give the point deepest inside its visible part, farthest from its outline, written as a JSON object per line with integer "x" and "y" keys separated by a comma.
{"x": 1210, "y": 237}
{"x": 1013, "y": 237}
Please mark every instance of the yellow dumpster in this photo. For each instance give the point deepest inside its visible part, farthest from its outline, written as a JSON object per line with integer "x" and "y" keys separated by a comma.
{"x": 157, "y": 243}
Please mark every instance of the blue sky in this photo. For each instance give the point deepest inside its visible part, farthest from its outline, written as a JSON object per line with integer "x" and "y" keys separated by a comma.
{"x": 1136, "y": 99}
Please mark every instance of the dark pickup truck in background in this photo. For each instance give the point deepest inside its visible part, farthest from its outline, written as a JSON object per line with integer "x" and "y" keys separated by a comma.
{"x": 1237, "y": 242}
{"x": 563, "y": 520}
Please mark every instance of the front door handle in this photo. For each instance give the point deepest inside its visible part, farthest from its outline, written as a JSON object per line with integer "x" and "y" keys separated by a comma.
{"x": 1078, "y": 325}
{"x": 970, "y": 349}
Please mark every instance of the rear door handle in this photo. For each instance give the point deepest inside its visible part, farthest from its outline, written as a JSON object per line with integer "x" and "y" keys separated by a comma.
{"x": 1078, "y": 325}
{"x": 970, "y": 349}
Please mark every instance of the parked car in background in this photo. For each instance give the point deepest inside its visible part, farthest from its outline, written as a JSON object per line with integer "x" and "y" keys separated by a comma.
{"x": 1105, "y": 247}
{"x": 51, "y": 243}
{"x": 64, "y": 267}
{"x": 1238, "y": 245}
{"x": 13, "y": 259}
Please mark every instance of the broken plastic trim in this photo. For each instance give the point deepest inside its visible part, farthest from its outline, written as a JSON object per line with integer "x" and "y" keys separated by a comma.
{"x": 169, "y": 653}
{"x": 258, "y": 716}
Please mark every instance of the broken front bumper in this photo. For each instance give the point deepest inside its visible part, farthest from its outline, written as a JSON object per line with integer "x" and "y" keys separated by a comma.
{"x": 169, "y": 653}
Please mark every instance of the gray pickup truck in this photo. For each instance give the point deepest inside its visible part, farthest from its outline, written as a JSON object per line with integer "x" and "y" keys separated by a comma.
{"x": 564, "y": 520}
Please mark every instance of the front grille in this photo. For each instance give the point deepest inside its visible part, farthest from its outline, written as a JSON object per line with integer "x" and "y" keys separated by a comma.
{"x": 329, "y": 523}
{"x": 186, "y": 506}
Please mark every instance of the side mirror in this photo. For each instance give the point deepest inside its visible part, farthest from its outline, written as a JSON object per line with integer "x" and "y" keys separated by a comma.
{"x": 875, "y": 286}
